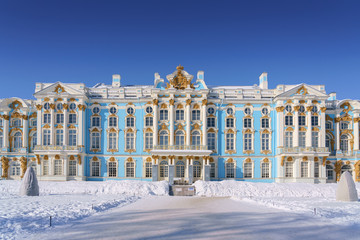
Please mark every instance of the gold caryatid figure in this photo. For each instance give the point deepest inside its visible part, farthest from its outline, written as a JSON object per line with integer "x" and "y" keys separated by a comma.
{"x": 179, "y": 81}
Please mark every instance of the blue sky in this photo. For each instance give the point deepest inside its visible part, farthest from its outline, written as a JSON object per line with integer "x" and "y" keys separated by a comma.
{"x": 316, "y": 42}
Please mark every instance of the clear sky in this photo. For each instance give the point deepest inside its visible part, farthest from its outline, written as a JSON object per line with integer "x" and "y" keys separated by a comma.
{"x": 315, "y": 42}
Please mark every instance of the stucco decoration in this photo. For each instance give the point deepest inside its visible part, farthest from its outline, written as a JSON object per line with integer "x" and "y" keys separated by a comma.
{"x": 29, "y": 184}
{"x": 346, "y": 190}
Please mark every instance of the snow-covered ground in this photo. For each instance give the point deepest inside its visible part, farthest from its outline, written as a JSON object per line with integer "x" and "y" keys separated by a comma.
{"x": 295, "y": 197}
{"x": 65, "y": 202}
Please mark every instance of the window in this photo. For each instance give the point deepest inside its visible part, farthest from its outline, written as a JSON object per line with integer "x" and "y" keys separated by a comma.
{"x": 72, "y": 137}
{"x": 95, "y": 169}
{"x": 59, "y": 118}
{"x": 72, "y": 106}
{"x": 265, "y": 170}
{"x": 112, "y": 141}
{"x": 229, "y": 122}
{"x": 1, "y": 122}
{"x": 230, "y": 141}
{"x": 196, "y": 169}
{"x": 113, "y": 110}
{"x": 265, "y": 142}
{"x": 130, "y": 111}
{"x": 196, "y": 140}
{"x": 328, "y": 125}
{"x": 17, "y": 140}
{"x": 59, "y": 137}
{"x": 247, "y": 141}
{"x": 329, "y": 172}
{"x": 15, "y": 169}
{"x": 179, "y": 138}
{"x": 302, "y": 139}
{"x": 130, "y": 141}
{"x": 149, "y": 122}
{"x": 112, "y": 169}
{"x": 230, "y": 111}
{"x": 130, "y": 122}
{"x": 314, "y": 109}
{"x": 180, "y": 169}
{"x": 211, "y": 110}
{"x": 212, "y": 170}
{"x": 328, "y": 142}
{"x": 315, "y": 139}
{"x": 95, "y": 122}
{"x": 302, "y": 121}
{"x": 230, "y": 170}
{"x": 95, "y": 140}
{"x": 59, "y": 107}
{"x": 344, "y": 125}
{"x": 211, "y": 122}
{"x": 130, "y": 169}
{"x": 112, "y": 122}
{"x": 164, "y": 138}
{"x": 149, "y": 110}
{"x": 344, "y": 143}
{"x": 47, "y": 118}
{"x": 314, "y": 121}
{"x": 211, "y": 141}
{"x": 265, "y": 111}
{"x": 164, "y": 170}
{"x": 304, "y": 170}
{"x": 149, "y": 140}
{"x": 288, "y": 120}
{"x": 57, "y": 167}
{"x": 45, "y": 167}
{"x": 247, "y": 123}
{"x": 72, "y": 168}
{"x": 72, "y": 118}
{"x": 248, "y": 170}
{"x": 33, "y": 122}
{"x": 288, "y": 108}
{"x": 46, "y": 137}
{"x": 288, "y": 139}
{"x": 316, "y": 169}
{"x": 148, "y": 169}
{"x": 288, "y": 169}
{"x": 302, "y": 109}
{"x": 247, "y": 111}
{"x": 46, "y": 106}
{"x": 179, "y": 115}
{"x": 16, "y": 122}
{"x": 164, "y": 115}
{"x": 1, "y": 139}
{"x": 96, "y": 110}
{"x": 195, "y": 116}
{"x": 265, "y": 123}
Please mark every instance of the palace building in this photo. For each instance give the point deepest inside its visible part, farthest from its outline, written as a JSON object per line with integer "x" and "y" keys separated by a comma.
{"x": 180, "y": 130}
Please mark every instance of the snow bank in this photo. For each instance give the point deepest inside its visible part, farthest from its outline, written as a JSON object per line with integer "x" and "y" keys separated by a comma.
{"x": 315, "y": 199}
{"x": 65, "y": 202}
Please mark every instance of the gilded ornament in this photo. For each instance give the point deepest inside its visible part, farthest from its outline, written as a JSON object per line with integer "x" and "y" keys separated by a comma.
{"x": 309, "y": 108}
{"x": 66, "y": 106}
{"x": 282, "y": 160}
{"x": 23, "y": 162}
{"x": 323, "y": 109}
{"x": 25, "y": 117}
{"x": 179, "y": 81}
{"x": 324, "y": 161}
{"x": 52, "y": 106}
{"x": 338, "y": 165}
{"x": 155, "y": 101}
{"x": 280, "y": 109}
{"x": 356, "y": 119}
{"x": 5, "y": 167}
{"x": 81, "y": 107}
{"x": 6, "y": 117}
{"x": 172, "y": 102}
{"x": 188, "y": 102}
{"x": 296, "y": 108}
{"x": 346, "y": 106}
{"x": 38, "y": 158}
{"x": 59, "y": 89}
{"x": 16, "y": 104}
{"x": 204, "y": 102}
{"x": 302, "y": 91}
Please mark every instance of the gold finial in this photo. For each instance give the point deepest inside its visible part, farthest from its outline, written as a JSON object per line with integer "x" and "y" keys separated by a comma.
{"x": 180, "y": 68}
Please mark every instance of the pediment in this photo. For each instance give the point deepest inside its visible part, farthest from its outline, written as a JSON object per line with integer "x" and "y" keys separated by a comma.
{"x": 58, "y": 89}
{"x": 302, "y": 90}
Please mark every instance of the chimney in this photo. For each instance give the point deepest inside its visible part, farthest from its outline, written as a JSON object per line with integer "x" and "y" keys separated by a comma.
{"x": 263, "y": 81}
{"x": 200, "y": 75}
{"x": 116, "y": 80}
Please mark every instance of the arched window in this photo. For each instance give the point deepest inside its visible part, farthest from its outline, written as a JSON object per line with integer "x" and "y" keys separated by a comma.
{"x": 112, "y": 169}
{"x": 288, "y": 120}
{"x": 344, "y": 143}
{"x": 58, "y": 167}
{"x": 95, "y": 122}
{"x": 211, "y": 122}
{"x": 130, "y": 122}
{"x": 130, "y": 141}
{"x": 230, "y": 122}
{"x": 211, "y": 141}
{"x": 164, "y": 115}
{"x": 316, "y": 169}
{"x": 329, "y": 172}
{"x": 164, "y": 170}
{"x": 196, "y": 169}
{"x": 15, "y": 169}
{"x": 328, "y": 142}
{"x": 17, "y": 140}
{"x": 149, "y": 121}
{"x": 112, "y": 140}
{"x": 72, "y": 168}
{"x": 16, "y": 122}
{"x": 230, "y": 141}
{"x": 328, "y": 125}
{"x": 95, "y": 168}
{"x": 230, "y": 170}
{"x": 59, "y": 137}
{"x": 346, "y": 168}
{"x": 95, "y": 140}
{"x": 248, "y": 170}
{"x": 149, "y": 140}
{"x": 315, "y": 139}
{"x": 344, "y": 125}
{"x": 179, "y": 115}
{"x": 60, "y": 118}
{"x": 130, "y": 169}
{"x": 180, "y": 138}
{"x": 196, "y": 140}
{"x": 195, "y": 115}
{"x": 247, "y": 123}
{"x": 288, "y": 139}
{"x": 33, "y": 142}
{"x": 148, "y": 169}
{"x": 113, "y": 122}
{"x": 164, "y": 138}
{"x": 180, "y": 169}
{"x": 247, "y": 141}
{"x": 288, "y": 169}
{"x": 265, "y": 141}
{"x": 304, "y": 169}
{"x": 72, "y": 137}
{"x": 265, "y": 170}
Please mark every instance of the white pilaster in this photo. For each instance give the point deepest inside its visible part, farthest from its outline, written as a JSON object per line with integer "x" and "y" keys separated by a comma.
{"x": 337, "y": 134}
{"x": 188, "y": 123}
{"x": 171, "y": 122}
{"x": 280, "y": 127}
{"x": 309, "y": 129}
{"x": 322, "y": 136}
{"x": 204, "y": 126}
{"x": 66, "y": 166}
{"x": 38, "y": 127}
{"x": 66, "y": 140}
{"x": 52, "y": 128}
{"x": 6, "y": 130}
{"x": 296, "y": 130}
{"x": 155, "y": 123}
{"x": 356, "y": 134}
{"x": 25, "y": 130}
{"x": 81, "y": 125}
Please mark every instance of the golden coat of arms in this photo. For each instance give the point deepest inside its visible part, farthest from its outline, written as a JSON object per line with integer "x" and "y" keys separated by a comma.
{"x": 179, "y": 81}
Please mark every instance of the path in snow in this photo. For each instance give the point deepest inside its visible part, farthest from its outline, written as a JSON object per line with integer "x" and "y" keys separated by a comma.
{"x": 199, "y": 218}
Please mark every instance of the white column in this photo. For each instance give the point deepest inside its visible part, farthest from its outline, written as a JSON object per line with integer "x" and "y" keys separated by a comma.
{"x": 309, "y": 129}
{"x": 204, "y": 122}
{"x": 66, "y": 166}
{"x": 155, "y": 122}
{"x": 52, "y": 129}
{"x": 6, "y": 130}
{"x": 296, "y": 130}
{"x": 337, "y": 134}
{"x": 280, "y": 126}
{"x": 38, "y": 126}
{"x": 356, "y": 133}
{"x": 25, "y": 130}
{"x": 51, "y": 170}
{"x": 172, "y": 122}
{"x": 81, "y": 124}
{"x": 65, "y": 109}
{"x": 188, "y": 122}
{"x": 322, "y": 136}
{"x": 296, "y": 167}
